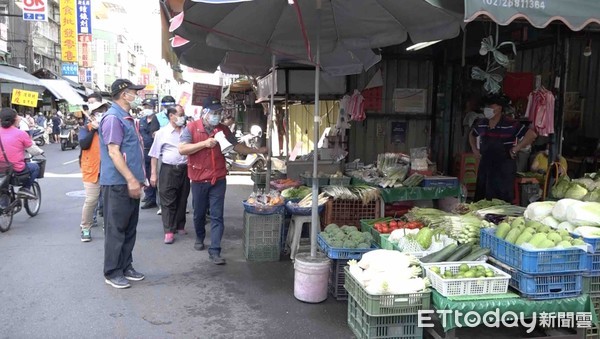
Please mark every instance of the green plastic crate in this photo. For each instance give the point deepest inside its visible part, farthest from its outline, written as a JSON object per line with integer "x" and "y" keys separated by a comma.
{"x": 365, "y": 326}
{"x": 591, "y": 284}
{"x": 262, "y": 236}
{"x": 386, "y": 244}
{"x": 393, "y": 304}
{"x": 592, "y": 332}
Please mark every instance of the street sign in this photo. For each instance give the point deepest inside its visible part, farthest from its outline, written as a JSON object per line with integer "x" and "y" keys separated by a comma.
{"x": 35, "y": 10}
{"x": 84, "y": 17}
{"x": 69, "y": 69}
{"x": 24, "y": 98}
{"x": 68, "y": 31}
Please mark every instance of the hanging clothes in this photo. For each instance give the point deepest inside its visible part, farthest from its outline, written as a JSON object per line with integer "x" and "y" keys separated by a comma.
{"x": 540, "y": 111}
{"x": 356, "y": 105}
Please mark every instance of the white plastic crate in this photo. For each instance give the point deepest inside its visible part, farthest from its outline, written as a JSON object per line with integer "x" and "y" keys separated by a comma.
{"x": 466, "y": 286}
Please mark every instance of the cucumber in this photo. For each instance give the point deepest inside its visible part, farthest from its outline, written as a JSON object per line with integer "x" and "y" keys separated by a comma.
{"x": 462, "y": 251}
{"x": 476, "y": 254}
{"x": 440, "y": 255}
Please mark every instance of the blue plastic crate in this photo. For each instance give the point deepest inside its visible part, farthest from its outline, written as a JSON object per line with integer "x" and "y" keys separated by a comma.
{"x": 439, "y": 181}
{"x": 594, "y": 242}
{"x": 543, "y": 286}
{"x": 592, "y": 263}
{"x": 533, "y": 262}
{"x": 342, "y": 253}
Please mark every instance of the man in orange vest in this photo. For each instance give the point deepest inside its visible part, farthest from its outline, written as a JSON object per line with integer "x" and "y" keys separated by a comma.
{"x": 207, "y": 171}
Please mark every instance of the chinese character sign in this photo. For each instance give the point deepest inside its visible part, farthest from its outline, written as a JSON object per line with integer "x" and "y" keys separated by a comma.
{"x": 24, "y": 98}
{"x": 85, "y": 50}
{"x": 69, "y": 69}
{"x": 84, "y": 17}
{"x": 68, "y": 31}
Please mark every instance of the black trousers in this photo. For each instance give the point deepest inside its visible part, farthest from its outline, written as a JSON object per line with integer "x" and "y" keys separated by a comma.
{"x": 173, "y": 190}
{"x": 120, "y": 226}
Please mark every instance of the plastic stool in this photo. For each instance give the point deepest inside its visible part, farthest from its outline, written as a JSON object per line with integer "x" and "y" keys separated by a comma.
{"x": 295, "y": 232}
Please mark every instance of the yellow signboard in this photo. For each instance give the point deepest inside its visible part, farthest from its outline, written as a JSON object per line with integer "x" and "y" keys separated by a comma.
{"x": 24, "y": 98}
{"x": 68, "y": 30}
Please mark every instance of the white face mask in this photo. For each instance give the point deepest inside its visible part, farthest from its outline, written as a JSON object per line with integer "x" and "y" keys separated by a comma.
{"x": 180, "y": 121}
{"x": 147, "y": 112}
{"x": 488, "y": 112}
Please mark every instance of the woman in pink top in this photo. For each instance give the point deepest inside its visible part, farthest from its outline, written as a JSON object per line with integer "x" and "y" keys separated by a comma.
{"x": 14, "y": 145}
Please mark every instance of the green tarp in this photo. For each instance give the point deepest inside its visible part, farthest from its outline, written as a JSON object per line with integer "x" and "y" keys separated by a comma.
{"x": 582, "y": 303}
{"x": 576, "y": 14}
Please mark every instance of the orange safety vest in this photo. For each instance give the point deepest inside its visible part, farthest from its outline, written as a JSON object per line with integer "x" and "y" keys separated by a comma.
{"x": 90, "y": 159}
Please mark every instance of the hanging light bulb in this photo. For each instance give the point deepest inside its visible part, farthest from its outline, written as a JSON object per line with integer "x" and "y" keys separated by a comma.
{"x": 587, "y": 51}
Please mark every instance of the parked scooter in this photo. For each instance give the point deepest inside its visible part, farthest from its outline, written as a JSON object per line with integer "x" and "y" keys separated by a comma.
{"x": 68, "y": 138}
{"x": 255, "y": 162}
{"x": 38, "y": 136}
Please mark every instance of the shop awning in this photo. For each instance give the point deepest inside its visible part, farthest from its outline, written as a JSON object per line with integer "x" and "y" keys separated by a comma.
{"x": 63, "y": 91}
{"x": 576, "y": 14}
{"x": 13, "y": 77}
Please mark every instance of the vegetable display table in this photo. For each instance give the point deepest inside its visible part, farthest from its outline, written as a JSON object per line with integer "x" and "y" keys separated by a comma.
{"x": 415, "y": 193}
{"x": 571, "y": 306}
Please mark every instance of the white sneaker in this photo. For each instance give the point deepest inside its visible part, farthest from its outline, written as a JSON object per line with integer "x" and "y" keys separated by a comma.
{"x": 159, "y": 212}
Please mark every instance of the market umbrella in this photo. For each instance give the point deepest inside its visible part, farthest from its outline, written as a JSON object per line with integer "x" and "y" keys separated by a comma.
{"x": 287, "y": 28}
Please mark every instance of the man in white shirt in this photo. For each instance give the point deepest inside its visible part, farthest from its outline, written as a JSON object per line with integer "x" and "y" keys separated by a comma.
{"x": 173, "y": 181}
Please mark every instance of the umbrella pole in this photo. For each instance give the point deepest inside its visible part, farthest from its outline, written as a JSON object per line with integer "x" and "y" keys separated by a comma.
{"x": 315, "y": 183}
{"x": 270, "y": 126}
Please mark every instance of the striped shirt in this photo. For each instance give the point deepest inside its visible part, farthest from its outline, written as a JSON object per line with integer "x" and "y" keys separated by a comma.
{"x": 507, "y": 129}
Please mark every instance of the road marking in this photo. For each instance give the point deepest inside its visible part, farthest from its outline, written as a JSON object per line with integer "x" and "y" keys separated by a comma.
{"x": 57, "y": 175}
{"x": 70, "y": 162}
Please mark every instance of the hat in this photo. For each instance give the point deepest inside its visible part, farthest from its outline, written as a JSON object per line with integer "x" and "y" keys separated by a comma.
{"x": 148, "y": 102}
{"x": 167, "y": 100}
{"x": 212, "y": 104}
{"x": 123, "y": 84}
{"x": 96, "y": 105}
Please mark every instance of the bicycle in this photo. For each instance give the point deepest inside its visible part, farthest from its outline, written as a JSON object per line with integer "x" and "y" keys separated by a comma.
{"x": 10, "y": 202}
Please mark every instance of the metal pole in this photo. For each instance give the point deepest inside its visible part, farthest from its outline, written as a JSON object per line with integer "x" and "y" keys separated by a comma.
{"x": 315, "y": 184}
{"x": 270, "y": 126}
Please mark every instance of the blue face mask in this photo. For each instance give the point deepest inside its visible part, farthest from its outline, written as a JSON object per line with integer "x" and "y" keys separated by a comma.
{"x": 213, "y": 120}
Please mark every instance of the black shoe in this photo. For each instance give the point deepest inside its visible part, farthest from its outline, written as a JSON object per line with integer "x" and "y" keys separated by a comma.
{"x": 199, "y": 246}
{"x": 133, "y": 275}
{"x": 117, "y": 282}
{"x": 216, "y": 259}
{"x": 149, "y": 204}
{"x": 26, "y": 193}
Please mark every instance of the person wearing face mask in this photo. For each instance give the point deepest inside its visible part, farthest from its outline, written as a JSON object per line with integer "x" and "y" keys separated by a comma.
{"x": 496, "y": 139}
{"x": 89, "y": 161}
{"x": 148, "y": 127}
{"x": 166, "y": 102}
{"x": 121, "y": 179}
{"x": 172, "y": 179}
{"x": 540, "y": 162}
{"x": 207, "y": 171}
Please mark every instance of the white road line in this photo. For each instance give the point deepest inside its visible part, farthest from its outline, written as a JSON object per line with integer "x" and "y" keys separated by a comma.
{"x": 70, "y": 162}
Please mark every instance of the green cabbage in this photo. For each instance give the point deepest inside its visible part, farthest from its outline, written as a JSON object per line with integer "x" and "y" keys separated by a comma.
{"x": 584, "y": 214}
{"x": 576, "y": 191}
{"x": 592, "y": 196}
{"x": 561, "y": 187}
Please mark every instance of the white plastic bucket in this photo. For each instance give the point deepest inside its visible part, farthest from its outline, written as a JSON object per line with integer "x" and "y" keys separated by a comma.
{"x": 311, "y": 277}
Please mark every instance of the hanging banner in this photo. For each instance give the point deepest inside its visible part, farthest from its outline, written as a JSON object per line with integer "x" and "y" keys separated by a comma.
{"x": 84, "y": 17}
{"x": 184, "y": 98}
{"x": 35, "y": 10}
{"x": 85, "y": 50}
{"x": 203, "y": 91}
{"x": 24, "y": 98}
{"x": 68, "y": 31}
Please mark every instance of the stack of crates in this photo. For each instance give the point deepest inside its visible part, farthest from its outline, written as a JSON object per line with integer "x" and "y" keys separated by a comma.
{"x": 337, "y": 278}
{"x": 262, "y": 236}
{"x": 537, "y": 274}
{"x": 384, "y": 316}
{"x": 466, "y": 171}
{"x": 591, "y": 281}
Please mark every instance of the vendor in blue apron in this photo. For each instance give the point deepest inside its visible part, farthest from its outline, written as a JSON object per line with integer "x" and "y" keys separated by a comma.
{"x": 497, "y": 139}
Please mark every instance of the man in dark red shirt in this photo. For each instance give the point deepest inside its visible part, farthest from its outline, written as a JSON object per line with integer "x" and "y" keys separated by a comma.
{"x": 207, "y": 171}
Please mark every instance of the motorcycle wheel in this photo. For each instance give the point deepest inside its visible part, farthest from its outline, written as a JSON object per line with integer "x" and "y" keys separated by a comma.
{"x": 259, "y": 166}
{"x": 63, "y": 145}
{"x": 40, "y": 142}
{"x": 32, "y": 206}
{"x": 6, "y": 213}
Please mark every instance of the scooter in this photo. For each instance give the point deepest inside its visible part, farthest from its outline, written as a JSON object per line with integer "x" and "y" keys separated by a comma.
{"x": 38, "y": 136}
{"x": 68, "y": 138}
{"x": 255, "y": 162}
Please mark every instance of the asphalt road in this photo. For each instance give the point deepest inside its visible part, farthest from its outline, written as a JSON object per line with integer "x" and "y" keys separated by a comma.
{"x": 51, "y": 284}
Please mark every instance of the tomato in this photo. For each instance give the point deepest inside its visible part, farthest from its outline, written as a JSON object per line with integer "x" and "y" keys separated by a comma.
{"x": 377, "y": 226}
{"x": 394, "y": 224}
